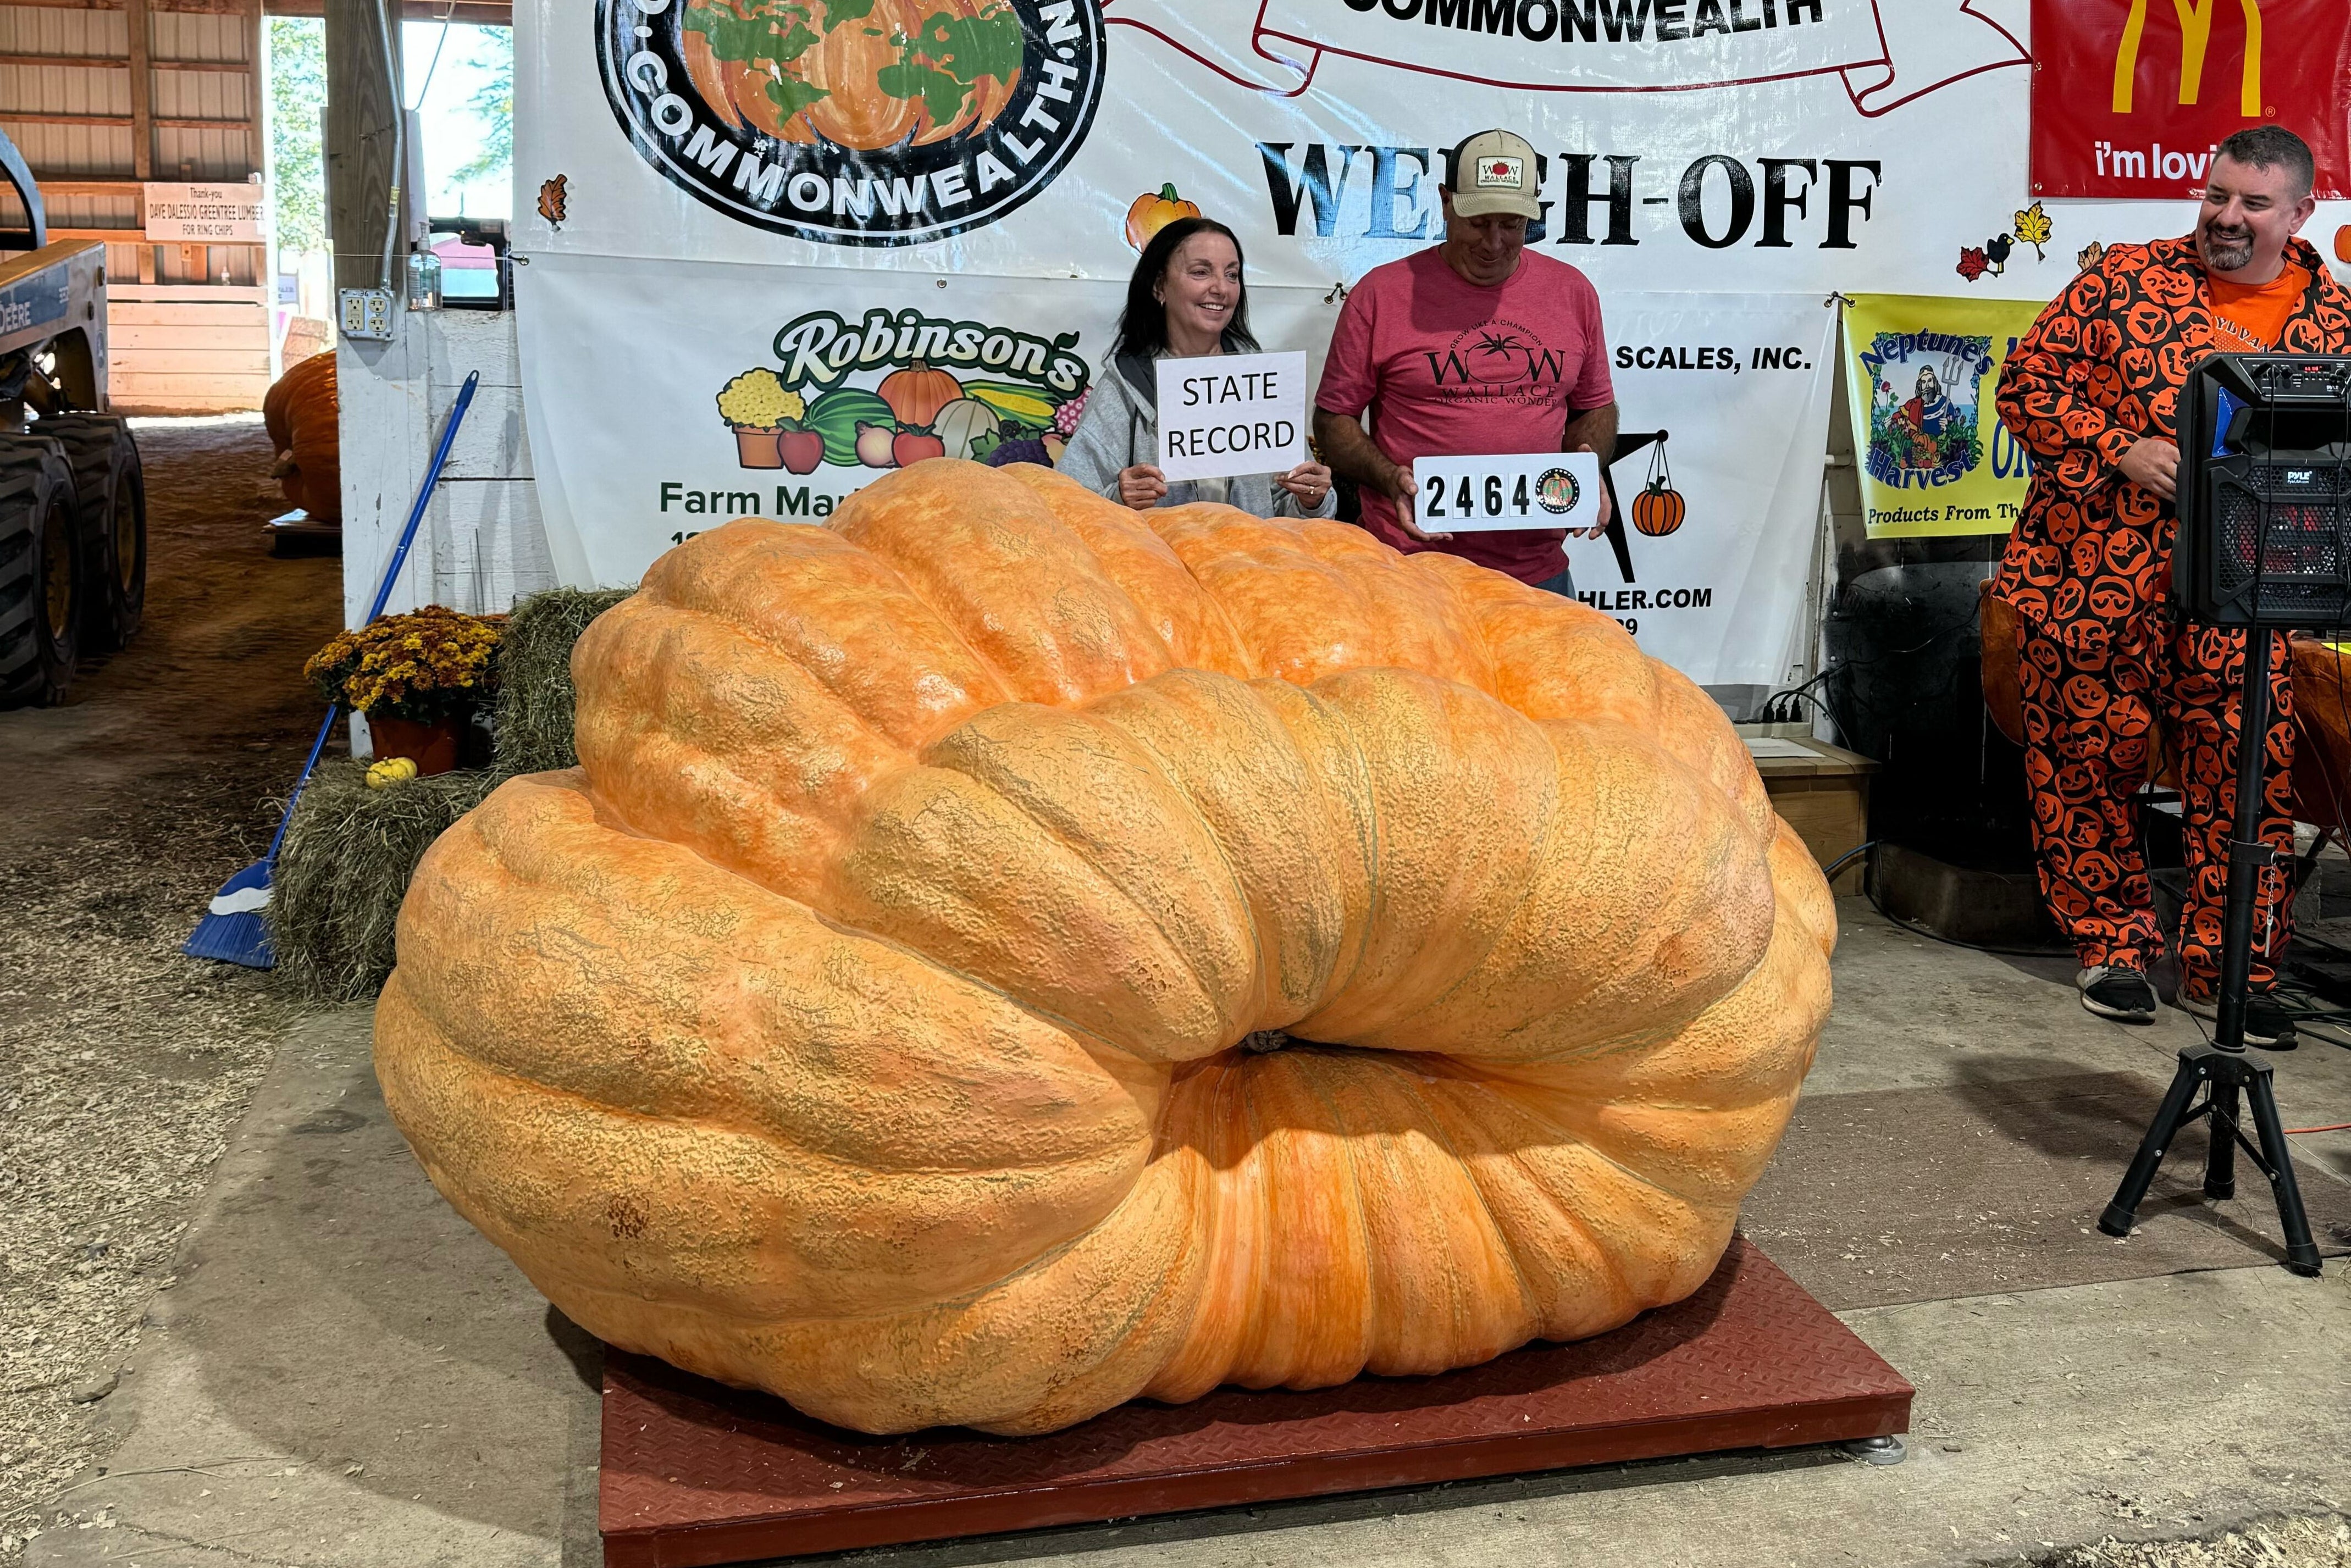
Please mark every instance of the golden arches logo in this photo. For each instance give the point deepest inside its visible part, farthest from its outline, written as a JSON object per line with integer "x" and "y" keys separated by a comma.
{"x": 2195, "y": 34}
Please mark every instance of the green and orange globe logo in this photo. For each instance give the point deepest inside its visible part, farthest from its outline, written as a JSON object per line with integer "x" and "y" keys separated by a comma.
{"x": 855, "y": 121}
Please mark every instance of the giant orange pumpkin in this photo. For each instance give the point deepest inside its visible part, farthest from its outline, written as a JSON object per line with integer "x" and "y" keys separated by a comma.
{"x": 1001, "y": 955}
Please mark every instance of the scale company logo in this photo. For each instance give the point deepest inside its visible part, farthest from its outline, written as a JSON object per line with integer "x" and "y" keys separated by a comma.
{"x": 854, "y": 122}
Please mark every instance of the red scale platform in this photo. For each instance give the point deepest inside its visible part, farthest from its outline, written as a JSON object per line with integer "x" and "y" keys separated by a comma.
{"x": 697, "y": 1473}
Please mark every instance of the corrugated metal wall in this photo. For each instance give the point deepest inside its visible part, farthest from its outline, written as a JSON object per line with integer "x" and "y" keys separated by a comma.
{"x": 66, "y": 100}
{"x": 82, "y": 109}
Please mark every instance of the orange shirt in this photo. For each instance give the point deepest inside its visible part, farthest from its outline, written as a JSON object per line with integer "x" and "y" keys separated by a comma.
{"x": 2247, "y": 318}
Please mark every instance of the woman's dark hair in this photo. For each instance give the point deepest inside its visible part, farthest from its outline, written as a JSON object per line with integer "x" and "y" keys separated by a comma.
{"x": 1143, "y": 325}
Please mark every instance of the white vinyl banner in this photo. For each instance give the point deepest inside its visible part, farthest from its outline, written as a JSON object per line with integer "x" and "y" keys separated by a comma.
{"x": 1710, "y": 569}
{"x": 762, "y": 402}
{"x": 772, "y": 246}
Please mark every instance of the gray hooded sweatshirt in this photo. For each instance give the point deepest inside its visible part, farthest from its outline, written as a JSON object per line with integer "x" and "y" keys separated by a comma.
{"x": 1120, "y": 428}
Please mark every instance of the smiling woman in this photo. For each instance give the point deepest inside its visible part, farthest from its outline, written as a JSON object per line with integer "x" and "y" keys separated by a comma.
{"x": 1187, "y": 299}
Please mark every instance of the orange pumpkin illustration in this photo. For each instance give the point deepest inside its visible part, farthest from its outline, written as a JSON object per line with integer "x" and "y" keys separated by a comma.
{"x": 2343, "y": 243}
{"x": 1154, "y": 211}
{"x": 904, "y": 69}
{"x": 1659, "y": 509}
{"x": 916, "y": 393}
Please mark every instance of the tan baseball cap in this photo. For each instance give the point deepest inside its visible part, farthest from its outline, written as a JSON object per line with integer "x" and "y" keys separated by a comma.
{"x": 1495, "y": 172}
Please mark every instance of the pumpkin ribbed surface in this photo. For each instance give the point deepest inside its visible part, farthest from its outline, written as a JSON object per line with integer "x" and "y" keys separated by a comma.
{"x": 302, "y": 411}
{"x": 878, "y": 1015}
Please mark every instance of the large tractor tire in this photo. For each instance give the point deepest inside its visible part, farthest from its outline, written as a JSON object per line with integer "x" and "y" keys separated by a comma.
{"x": 111, "y": 492}
{"x": 42, "y": 576}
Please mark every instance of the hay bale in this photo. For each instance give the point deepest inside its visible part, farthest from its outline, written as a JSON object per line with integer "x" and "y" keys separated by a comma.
{"x": 534, "y": 712}
{"x": 349, "y": 851}
{"x": 344, "y": 870}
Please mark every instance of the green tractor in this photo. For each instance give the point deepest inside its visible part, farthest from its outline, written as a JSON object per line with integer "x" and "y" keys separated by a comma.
{"x": 73, "y": 504}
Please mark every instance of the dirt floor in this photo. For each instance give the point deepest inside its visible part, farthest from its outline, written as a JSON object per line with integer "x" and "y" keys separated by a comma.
{"x": 122, "y": 1064}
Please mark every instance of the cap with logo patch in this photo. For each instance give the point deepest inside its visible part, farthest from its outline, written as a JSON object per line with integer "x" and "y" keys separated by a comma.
{"x": 1495, "y": 172}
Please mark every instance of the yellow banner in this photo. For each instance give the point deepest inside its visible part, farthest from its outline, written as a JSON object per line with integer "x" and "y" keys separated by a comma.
{"x": 1921, "y": 374}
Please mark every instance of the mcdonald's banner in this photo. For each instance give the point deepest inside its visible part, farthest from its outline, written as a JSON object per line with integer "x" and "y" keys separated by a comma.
{"x": 1920, "y": 375}
{"x": 2130, "y": 97}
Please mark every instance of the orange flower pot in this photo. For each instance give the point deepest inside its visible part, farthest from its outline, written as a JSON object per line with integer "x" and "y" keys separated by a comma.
{"x": 756, "y": 448}
{"x": 432, "y": 746}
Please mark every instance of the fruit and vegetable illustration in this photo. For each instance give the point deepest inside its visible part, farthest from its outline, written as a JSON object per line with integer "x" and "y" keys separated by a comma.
{"x": 771, "y": 423}
{"x": 915, "y": 409}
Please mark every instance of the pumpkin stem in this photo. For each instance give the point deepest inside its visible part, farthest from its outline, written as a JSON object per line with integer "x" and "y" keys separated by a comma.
{"x": 1168, "y": 192}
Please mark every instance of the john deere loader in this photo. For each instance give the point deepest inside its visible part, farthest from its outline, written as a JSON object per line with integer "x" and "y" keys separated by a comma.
{"x": 73, "y": 506}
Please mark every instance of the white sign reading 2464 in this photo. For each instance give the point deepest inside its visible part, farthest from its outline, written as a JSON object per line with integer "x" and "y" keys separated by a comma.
{"x": 1530, "y": 490}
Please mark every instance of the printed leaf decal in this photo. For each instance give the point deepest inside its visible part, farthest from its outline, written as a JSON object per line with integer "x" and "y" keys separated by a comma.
{"x": 2034, "y": 228}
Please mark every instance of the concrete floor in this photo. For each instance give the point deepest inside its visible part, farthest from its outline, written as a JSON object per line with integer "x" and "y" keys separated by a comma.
{"x": 343, "y": 1373}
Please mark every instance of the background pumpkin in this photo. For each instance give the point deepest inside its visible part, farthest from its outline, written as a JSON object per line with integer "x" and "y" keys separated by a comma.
{"x": 916, "y": 393}
{"x": 1658, "y": 511}
{"x": 302, "y": 411}
{"x": 1154, "y": 211}
{"x": 936, "y": 864}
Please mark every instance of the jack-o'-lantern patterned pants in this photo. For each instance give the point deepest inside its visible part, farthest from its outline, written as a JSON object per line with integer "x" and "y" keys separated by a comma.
{"x": 2094, "y": 702}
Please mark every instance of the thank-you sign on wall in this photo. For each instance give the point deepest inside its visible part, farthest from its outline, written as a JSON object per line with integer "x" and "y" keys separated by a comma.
{"x": 206, "y": 215}
{"x": 2130, "y": 97}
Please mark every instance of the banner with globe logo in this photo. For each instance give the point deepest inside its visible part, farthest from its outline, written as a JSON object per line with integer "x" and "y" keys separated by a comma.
{"x": 854, "y": 122}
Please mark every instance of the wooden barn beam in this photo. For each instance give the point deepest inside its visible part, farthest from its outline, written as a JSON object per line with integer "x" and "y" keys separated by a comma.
{"x": 362, "y": 104}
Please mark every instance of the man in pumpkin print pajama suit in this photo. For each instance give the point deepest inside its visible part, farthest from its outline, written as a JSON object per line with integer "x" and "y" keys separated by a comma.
{"x": 2092, "y": 391}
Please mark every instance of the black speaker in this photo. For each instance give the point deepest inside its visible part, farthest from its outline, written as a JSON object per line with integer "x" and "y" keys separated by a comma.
{"x": 2265, "y": 477}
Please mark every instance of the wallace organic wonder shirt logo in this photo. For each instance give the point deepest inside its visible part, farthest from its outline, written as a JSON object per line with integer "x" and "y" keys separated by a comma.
{"x": 854, "y": 122}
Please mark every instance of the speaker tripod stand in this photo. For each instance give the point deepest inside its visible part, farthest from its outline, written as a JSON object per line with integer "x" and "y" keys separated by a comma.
{"x": 2222, "y": 1070}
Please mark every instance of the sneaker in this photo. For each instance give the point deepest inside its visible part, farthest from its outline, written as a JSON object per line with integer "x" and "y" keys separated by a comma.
{"x": 2117, "y": 993}
{"x": 2267, "y": 1025}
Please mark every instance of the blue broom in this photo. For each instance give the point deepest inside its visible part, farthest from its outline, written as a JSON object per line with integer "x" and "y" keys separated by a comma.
{"x": 231, "y": 931}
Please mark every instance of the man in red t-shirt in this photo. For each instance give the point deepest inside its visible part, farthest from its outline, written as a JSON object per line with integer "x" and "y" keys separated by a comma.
{"x": 1477, "y": 346}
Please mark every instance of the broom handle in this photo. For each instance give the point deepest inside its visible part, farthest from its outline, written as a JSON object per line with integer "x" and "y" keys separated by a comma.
{"x": 325, "y": 728}
{"x": 424, "y": 493}
{"x": 383, "y": 590}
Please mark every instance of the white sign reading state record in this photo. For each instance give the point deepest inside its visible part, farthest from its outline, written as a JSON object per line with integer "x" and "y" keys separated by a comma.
{"x": 1232, "y": 414}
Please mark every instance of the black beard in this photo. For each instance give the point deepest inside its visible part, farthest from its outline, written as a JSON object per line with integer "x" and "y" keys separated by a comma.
{"x": 2228, "y": 254}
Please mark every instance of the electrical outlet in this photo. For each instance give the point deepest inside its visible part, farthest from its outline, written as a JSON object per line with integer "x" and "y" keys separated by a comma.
{"x": 367, "y": 313}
